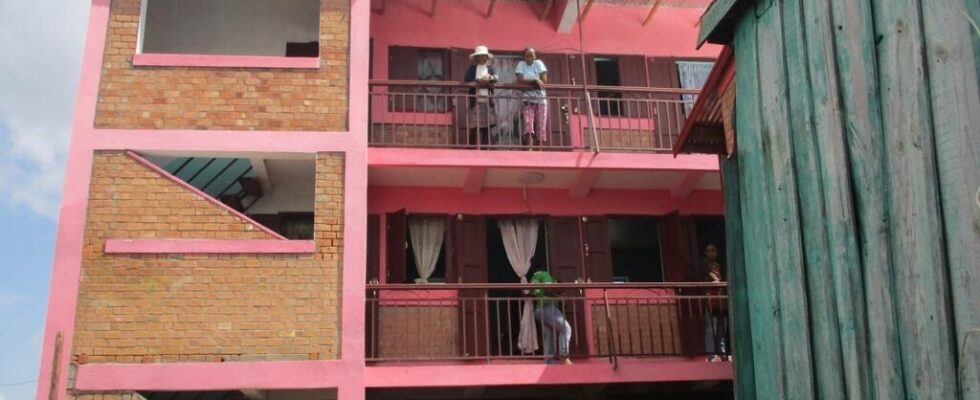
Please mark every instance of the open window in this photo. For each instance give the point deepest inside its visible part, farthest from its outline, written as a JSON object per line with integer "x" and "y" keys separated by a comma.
{"x": 276, "y": 193}
{"x": 417, "y": 247}
{"x": 635, "y": 248}
{"x": 418, "y": 64}
{"x": 280, "y": 28}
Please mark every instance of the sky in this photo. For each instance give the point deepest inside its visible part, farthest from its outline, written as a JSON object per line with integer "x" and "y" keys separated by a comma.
{"x": 41, "y": 43}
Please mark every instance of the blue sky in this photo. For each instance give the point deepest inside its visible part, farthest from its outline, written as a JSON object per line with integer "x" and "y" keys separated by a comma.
{"x": 42, "y": 46}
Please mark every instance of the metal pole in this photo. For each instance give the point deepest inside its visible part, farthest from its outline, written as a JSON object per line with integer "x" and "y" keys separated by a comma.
{"x": 585, "y": 75}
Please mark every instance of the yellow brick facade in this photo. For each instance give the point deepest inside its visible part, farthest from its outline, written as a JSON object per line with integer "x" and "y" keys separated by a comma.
{"x": 202, "y": 307}
{"x": 132, "y": 97}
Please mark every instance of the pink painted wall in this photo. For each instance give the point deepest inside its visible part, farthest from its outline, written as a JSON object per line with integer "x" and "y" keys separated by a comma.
{"x": 609, "y": 30}
{"x": 498, "y": 201}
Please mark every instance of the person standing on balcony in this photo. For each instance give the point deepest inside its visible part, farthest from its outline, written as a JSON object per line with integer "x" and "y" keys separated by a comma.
{"x": 533, "y": 74}
{"x": 555, "y": 328}
{"x": 480, "y": 113}
{"x": 716, "y": 314}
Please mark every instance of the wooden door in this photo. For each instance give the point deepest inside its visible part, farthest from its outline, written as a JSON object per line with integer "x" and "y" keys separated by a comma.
{"x": 470, "y": 247}
{"x": 373, "y": 272}
{"x": 396, "y": 245}
{"x": 675, "y": 234}
{"x": 565, "y": 256}
{"x": 598, "y": 254}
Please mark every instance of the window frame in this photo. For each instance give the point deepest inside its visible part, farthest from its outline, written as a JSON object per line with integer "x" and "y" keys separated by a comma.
{"x": 143, "y": 59}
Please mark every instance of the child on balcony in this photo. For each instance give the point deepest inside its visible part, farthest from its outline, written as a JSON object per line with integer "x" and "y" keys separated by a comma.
{"x": 480, "y": 113}
{"x": 533, "y": 75}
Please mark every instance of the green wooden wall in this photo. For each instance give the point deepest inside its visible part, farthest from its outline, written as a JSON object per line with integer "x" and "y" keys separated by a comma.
{"x": 852, "y": 203}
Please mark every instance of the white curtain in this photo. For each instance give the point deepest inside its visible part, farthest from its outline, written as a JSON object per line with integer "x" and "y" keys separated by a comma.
{"x": 520, "y": 239}
{"x": 693, "y": 75}
{"x": 507, "y": 103}
{"x": 427, "y": 234}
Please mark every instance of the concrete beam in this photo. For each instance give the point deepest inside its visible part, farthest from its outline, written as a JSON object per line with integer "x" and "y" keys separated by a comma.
{"x": 686, "y": 185}
{"x": 567, "y": 15}
{"x": 583, "y": 183}
{"x": 473, "y": 183}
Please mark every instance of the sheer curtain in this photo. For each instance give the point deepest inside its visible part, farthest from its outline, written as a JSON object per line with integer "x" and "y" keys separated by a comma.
{"x": 427, "y": 234}
{"x": 520, "y": 239}
{"x": 507, "y": 102}
{"x": 693, "y": 74}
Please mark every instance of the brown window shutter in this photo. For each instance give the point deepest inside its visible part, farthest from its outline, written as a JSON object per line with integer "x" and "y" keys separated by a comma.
{"x": 396, "y": 247}
{"x": 459, "y": 62}
{"x": 633, "y": 73}
{"x": 565, "y": 249}
{"x": 373, "y": 247}
{"x": 575, "y": 69}
{"x": 669, "y": 115}
{"x": 403, "y": 64}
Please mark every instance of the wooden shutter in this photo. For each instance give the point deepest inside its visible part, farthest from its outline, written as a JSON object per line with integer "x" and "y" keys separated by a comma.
{"x": 672, "y": 249}
{"x": 669, "y": 115}
{"x": 674, "y": 236}
{"x": 565, "y": 256}
{"x": 565, "y": 249}
{"x": 396, "y": 247}
{"x": 598, "y": 255}
{"x": 459, "y": 62}
{"x": 403, "y": 64}
{"x": 633, "y": 73}
{"x": 558, "y": 74}
{"x": 471, "y": 267}
{"x": 373, "y": 247}
{"x": 575, "y": 69}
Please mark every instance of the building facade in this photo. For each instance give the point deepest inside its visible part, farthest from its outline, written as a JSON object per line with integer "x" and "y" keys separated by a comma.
{"x": 300, "y": 199}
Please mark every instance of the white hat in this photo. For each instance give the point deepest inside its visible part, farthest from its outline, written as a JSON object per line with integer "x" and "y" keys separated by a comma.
{"x": 481, "y": 51}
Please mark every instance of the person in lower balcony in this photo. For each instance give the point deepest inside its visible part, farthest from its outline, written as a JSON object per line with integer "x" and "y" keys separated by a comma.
{"x": 555, "y": 329}
{"x": 533, "y": 75}
{"x": 716, "y": 311}
{"x": 481, "y": 115}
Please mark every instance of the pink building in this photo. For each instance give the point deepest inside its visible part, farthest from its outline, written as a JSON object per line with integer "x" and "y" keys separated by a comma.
{"x": 300, "y": 199}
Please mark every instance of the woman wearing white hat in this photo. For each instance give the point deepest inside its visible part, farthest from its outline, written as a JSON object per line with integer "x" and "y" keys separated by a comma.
{"x": 480, "y": 115}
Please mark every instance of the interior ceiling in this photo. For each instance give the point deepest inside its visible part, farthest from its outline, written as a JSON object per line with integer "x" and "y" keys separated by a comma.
{"x": 553, "y": 178}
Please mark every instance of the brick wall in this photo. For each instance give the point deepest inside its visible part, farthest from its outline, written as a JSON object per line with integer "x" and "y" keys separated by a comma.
{"x": 625, "y": 139}
{"x": 637, "y": 329}
{"x": 223, "y": 98}
{"x": 202, "y": 307}
{"x": 416, "y": 135}
{"x": 417, "y": 331}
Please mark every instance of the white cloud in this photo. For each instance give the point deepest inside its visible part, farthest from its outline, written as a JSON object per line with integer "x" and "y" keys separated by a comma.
{"x": 42, "y": 42}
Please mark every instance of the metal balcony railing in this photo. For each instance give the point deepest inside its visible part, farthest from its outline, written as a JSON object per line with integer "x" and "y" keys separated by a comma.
{"x": 440, "y": 114}
{"x": 458, "y": 322}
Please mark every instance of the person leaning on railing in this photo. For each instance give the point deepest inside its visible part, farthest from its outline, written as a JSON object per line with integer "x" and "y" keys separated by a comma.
{"x": 481, "y": 115}
{"x": 554, "y": 326}
{"x": 533, "y": 74}
{"x": 716, "y": 313}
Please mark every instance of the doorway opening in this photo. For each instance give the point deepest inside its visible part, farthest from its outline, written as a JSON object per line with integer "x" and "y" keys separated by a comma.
{"x": 505, "y": 305}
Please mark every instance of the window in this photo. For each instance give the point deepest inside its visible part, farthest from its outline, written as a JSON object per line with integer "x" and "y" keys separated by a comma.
{"x": 415, "y": 64}
{"x": 693, "y": 75}
{"x": 231, "y": 27}
{"x": 607, "y": 74}
{"x": 635, "y": 248}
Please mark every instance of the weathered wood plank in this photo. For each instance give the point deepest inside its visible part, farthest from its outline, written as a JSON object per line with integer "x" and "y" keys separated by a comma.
{"x": 759, "y": 260}
{"x": 829, "y": 364}
{"x": 738, "y": 292}
{"x": 956, "y": 127}
{"x": 913, "y": 201}
{"x": 713, "y": 18}
{"x": 857, "y": 83}
{"x": 783, "y": 204}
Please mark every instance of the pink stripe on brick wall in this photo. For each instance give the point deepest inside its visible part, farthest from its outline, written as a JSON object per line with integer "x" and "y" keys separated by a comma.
{"x": 224, "y": 61}
{"x": 189, "y": 246}
{"x": 203, "y": 195}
